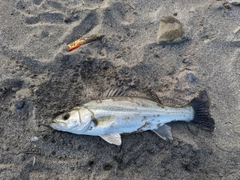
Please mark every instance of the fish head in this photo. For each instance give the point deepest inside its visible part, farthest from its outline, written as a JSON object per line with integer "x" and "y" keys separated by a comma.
{"x": 67, "y": 121}
{"x": 75, "y": 121}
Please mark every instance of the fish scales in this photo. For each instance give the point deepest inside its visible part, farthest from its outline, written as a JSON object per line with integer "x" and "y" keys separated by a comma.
{"x": 132, "y": 114}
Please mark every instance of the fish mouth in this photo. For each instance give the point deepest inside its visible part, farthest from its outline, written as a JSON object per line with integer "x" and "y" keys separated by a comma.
{"x": 57, "y": 123}
{"x": 55, "y": 126}
{"x": 53, "y": 123}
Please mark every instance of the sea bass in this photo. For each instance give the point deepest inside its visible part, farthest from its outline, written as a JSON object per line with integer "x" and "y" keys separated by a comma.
{"x": 112, "y": 116}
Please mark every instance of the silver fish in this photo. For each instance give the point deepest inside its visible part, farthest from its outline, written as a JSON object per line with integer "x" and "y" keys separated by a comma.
{"x": 110, "y": 117}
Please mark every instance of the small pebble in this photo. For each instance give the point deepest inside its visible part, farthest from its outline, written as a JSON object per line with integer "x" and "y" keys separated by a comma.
{"x": 19, "y": 104}
{"x": 34, "y": 139}
{"x": 236, "y": 30}
{"x": 34, "y": 161}
{"x": 15, "y": 89}
{"x": 227, "y": 5}
{"x": 191, "y": 77}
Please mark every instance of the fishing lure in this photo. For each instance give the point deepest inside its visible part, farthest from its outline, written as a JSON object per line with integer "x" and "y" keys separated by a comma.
{"x": 82, "y": 41}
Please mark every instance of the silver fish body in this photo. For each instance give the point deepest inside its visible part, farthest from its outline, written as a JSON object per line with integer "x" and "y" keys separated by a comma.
{"x": 127, "y": 115}
{"x": 110, "y": 117}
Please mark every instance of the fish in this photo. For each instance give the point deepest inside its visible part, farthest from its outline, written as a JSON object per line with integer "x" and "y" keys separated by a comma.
{"x": 110, "y": 117}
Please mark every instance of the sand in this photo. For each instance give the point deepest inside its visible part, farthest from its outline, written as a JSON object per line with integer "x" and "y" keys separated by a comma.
{"x": 39, "y": 78}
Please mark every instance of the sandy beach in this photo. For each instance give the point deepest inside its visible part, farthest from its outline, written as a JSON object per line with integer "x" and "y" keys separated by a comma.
{"x": 40, "y": 78}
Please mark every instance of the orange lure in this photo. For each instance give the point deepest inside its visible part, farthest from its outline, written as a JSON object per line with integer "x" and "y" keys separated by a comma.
{"x": 82, "y": 41}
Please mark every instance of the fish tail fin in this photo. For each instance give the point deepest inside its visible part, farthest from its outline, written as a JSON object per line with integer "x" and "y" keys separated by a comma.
{"x": 202, "y": 115}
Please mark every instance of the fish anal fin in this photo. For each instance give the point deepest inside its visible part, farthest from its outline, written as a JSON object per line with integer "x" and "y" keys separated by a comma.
{"x": 112, "y": 138}
{"x": 164, "y": 132}
{"x": 104, "y": 121}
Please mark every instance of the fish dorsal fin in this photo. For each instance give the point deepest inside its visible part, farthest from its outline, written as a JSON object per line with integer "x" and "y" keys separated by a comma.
{"x": 104, "y": 121}
{"x": 114, "y": 138}
{"x": 119, "y": 92}
{"x": 151, "y": 94}
{"x": 115, "y": 92}
{"x": 164, "y": 132}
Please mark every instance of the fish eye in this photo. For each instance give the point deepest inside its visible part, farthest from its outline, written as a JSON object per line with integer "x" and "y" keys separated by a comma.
{"x": 66, "y": 116}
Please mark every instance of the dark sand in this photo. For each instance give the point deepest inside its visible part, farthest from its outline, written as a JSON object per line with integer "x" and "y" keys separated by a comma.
{"x": 39, "y": 78}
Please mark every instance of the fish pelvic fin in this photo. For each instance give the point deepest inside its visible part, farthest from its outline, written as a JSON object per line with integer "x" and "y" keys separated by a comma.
{"x": 114, "y": 138}
{"x": 202, "y": 116}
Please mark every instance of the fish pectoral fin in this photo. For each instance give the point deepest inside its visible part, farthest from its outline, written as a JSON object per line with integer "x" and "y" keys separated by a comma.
{"x": 164, "y": 132}
{"x": 112, "y": 138}
{"x": 104, "y": 121}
